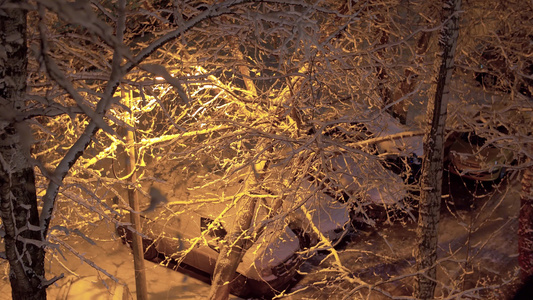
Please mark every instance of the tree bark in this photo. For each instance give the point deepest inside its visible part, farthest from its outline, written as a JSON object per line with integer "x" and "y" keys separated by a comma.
{"x": 525, "y": 229}
{"x": 230, "y": 255}
{"x": 18, "y": 200}
{"x": 431, "y": 181}
{"x": 407, "y": 85}
{"x": 384, "y": 90}
{"x": 135, "y": 218}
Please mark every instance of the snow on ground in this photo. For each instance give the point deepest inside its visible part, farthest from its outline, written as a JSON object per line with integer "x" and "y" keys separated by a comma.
{"x": 111, "y": 255}
{"x": 371, "y": 254}
{"x": 485, "y": 236}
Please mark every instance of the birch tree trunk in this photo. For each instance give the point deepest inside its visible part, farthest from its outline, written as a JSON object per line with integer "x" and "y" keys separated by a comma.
{"x": 18, "y": 200}
{"x": 525, "y": 229}
{"x": 431, "y": 181}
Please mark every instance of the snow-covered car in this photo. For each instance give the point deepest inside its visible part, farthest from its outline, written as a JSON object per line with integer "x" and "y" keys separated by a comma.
{"x": 400, "y": 147}
{"x": 471, "y": 158}
{"x": 373, "y": 188}
{"x": 317, "y": 214}
{"x": 392, "y": 138}
{"x": 351, "y": 188}
{"x": 193, "y": 238}
{"x": 401, "y": 141}
{"x": 319, "y": 210}
{"x": 369, "y": 179}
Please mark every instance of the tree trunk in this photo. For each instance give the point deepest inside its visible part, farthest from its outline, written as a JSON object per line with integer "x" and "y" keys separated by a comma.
{"x": 431, "y": 181}
{"x": 230, "y": 255}
{"x": 525, "y": 229}
{"x": 18, "y": 200}
{"x": 383, "y": 77}
{"x": 135, "y": 218}
{"x": 400, "y": 107}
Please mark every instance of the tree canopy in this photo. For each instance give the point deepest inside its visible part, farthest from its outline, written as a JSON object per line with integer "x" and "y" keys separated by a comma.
{"x": 269, "y": 101}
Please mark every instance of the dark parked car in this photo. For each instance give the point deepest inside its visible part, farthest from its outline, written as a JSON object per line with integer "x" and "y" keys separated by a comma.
{"x": 400, "y": 147}
{"x": 497, "y": 72}
{"x": 482, "y": 153}
{"x": 471, "y": 158}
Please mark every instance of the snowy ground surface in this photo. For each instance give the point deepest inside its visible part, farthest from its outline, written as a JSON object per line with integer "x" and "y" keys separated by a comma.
{"x": 371, "y": 254}
{"x": 111, "y": 255}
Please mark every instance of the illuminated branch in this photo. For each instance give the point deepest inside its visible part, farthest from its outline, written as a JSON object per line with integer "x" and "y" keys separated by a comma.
{"x": 166, "y": 138}
{"x": 116, "y": 75}
{"x": 58, "y": 76}
{"x": 391, "y": 137}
